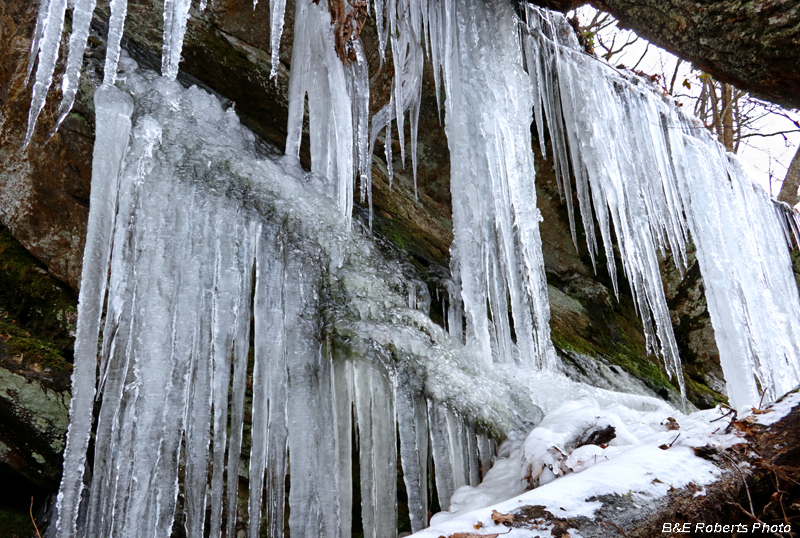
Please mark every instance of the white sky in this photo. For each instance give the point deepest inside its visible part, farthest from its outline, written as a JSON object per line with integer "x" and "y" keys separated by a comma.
{"x": 766, "y": 157}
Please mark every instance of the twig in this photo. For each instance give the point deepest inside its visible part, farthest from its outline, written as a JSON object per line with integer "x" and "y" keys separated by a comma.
{"x": 34, "y": 521}
{"x": 647, "y": 48}
{"x": 782, "y": 133}
{"x": 754, "y": 518}
{"x": 674, "y": 76}
{"x": 763, "y": 392}
{"x": 725, "y": 415}
{"x": 744, "y": 480}
{"x": 622, "y": 532}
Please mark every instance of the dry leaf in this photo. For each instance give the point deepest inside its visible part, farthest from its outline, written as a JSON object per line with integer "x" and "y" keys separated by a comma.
{"x": 672, "y": 424}
{"x": 744, "y": 426}
{"x": 505, "y": 519}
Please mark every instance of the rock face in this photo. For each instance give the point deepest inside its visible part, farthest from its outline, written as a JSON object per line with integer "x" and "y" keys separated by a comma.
{"x": 37, "y": 320}
{"x": 44, "y": 192}
{"x": 227, "y": 50}
{"x": 753, "y": 44}
{"x": 44, "y": 204}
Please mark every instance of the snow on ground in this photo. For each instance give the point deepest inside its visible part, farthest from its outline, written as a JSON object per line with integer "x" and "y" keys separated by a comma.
{"x": 649, "y": 455}
{"x": 778, "y": 410}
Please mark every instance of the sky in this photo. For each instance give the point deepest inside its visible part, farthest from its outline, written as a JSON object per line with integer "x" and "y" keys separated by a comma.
{"x": 767, "y": 158}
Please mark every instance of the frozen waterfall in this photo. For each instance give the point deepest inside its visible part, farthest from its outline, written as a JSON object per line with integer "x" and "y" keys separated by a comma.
{"x": 215, "y": 249}
{"x": 652, "y": 174}
{"x": 497, "y": 250}
{"x": 202, "y": 225}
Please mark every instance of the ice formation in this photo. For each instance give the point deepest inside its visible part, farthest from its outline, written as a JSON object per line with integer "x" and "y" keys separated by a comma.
{"x": 209, "y": 245}
{"x": 497, "y": 248}
{"x": 199, "y": 217}
{"x": 652, "y": 174}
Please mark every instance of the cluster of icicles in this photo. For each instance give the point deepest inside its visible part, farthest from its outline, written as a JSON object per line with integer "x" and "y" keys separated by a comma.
{"x": 212, "y": 250}
{"x": 184, "y": 251}
{"x": 653, "y": 174}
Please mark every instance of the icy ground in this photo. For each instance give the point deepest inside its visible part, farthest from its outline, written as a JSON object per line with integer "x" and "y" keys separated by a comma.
{"x": 651, "y": 454}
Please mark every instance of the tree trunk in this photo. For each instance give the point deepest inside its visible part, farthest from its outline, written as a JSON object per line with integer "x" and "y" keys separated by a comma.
{"x": 727, "y": 117}
{"x": 791, "y": 185}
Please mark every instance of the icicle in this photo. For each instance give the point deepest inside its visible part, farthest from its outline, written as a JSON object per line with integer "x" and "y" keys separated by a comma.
{"x": 198, "y": 423}
{"x": 485, "y": 454}
{"x": 375, "y": 414}
{"x": 311, "y": 423}
{"x": 81, "y": 23}
{"x": 176, "y": 13}
{"x": 495, "y": 219}
{"x": 240, "y": 357}
{"x": 382, "y": 31}
{"x": 277, "y": 427}
{"x": 399, "y": 57}
{"x": 228, "y": 287}
{"x": 387, "y": 147}
{"x": 653, "y": 174}
{"x": 116, "y": 25}
{"x": 189, "y": 226}
{"x": 747, "y": 275}
{"x": 319, "y": 73}
{"x": 38, "y": 32}
{"x": 344, "y": 398}
{"x": 269, "y": 429}
{"x": 405, "y": 33}
{"x": 412, "y": 420}
{"x": 277, "y": 10}
{"x": 358, "y": 88}
{"x": 643, "y": 212}
{"x": 447, "y": 441}
{"x": 113, "y": 110}
{"x": 48, "y": 45}
{"x": 118, "y": 333}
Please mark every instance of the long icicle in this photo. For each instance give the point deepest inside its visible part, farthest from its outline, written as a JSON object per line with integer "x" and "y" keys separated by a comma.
{"x": 113, "y": 110}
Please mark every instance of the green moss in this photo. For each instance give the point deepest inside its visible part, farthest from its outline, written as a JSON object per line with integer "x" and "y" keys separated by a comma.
{"x": 30, "y": 297}
{"x": 618, "y": 348}
{"x": 15, "y": 523}
{"x": 19, "y": 343}
{"x": 699, "y": 392}
{"x": 393, "y": 235}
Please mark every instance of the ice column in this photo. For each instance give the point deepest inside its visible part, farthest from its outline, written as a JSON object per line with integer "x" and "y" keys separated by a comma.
{"x": 621, "y": 164}
{"x": 497, "y": 247}
{"x": 317, "y": 72}
{"x": 113, "y": 110}
{"x": 750, "y": 286}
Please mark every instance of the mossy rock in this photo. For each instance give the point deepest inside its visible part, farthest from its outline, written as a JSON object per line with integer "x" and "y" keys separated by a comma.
{"x": 31, "y": 298}
{"x": 37, "y": 321}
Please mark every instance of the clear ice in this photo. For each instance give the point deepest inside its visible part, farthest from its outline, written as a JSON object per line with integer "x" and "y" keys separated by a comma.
{"x": 199, "y": 220}
{"x": 656, "y": 177}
